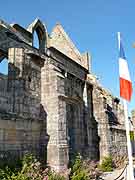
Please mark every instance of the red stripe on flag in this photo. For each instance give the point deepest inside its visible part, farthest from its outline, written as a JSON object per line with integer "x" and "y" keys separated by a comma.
{"x": 125, "y": 89}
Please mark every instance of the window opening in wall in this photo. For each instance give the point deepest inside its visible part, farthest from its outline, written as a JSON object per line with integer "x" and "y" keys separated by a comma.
{"x": 104, "y": 102}
{"x": 35, "y": 40}
{"x": 116, "y": 103}
{"x": 29, "y": 79}
{"x": 4, "y": 66}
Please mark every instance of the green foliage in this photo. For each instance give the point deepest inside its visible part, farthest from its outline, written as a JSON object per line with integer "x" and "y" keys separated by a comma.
{"x": 81, "y": 175}
{"x": 77, "y": 165}
{"x": 28, "y": 159}
{"x": 54, "y": 176}
{"x": 131, "y": 135}
{"x": 5, "y": 174}
{"x": 107, "y": 164}
{"x": 78, "y": 171}
{"x": 30, "y": 170}
{"x": 8, "y": 158}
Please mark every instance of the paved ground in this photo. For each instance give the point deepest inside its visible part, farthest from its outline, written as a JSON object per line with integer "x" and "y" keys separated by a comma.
{"x": 115, "y": 174}
{"x": 121, "y": 174}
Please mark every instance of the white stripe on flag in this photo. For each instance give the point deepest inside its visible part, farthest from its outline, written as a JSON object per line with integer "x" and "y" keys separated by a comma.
{"x": 123, "y": 69}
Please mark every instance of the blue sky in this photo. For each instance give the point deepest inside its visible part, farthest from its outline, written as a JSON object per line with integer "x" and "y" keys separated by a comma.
{"x": 91, "y": 24}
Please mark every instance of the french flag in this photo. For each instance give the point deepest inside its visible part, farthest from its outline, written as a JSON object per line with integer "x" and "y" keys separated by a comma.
{"x": 125, "y": 81}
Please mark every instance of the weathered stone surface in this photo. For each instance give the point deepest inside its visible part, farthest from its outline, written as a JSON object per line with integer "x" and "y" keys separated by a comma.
{"x": 49, "y": 102}
{"x": 109, "y": 114}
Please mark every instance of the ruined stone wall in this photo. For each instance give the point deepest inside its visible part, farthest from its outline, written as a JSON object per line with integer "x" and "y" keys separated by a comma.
{"x": 100, "y": 116}
{"x": 47, "y": 104}
{"x": 118, "y": 142}
{"x": 19, "y": 136}
{"x": 60, "y": 40}
{"x": 4, "y": 95}
{"x": 109, "y": 114}
{"x": 50, "y": 103}
{"x": 64, "y": 96}
{"x": 22, "y": 116}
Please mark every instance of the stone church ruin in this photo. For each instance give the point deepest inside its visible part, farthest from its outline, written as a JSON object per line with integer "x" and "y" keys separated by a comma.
{"x": 50, "y": 102}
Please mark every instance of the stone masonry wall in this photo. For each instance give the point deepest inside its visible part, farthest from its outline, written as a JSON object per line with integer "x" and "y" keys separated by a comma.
{"x": 19, "y": 136}
{"x": 49, "y": 102}
{"x": 22, "y": 116}
{"x": 109, "y": 114}
{"x": 68, "y": 110}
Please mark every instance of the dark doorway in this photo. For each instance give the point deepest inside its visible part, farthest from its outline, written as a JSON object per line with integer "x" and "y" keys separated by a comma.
{"x": 72, "y": 129}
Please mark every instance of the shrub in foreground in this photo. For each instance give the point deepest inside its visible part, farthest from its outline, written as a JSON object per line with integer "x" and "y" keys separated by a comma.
{"x": 107, "y": 164}
{"x": 31, "y": 170}
{"x": 84, "y": 169}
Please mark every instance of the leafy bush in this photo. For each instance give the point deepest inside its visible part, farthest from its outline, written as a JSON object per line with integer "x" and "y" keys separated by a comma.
{"x": 107, "y": 164}
{"x": 31, "y": 170}
{"x": 92, "y": 169}
{"x": 9, "y": 158}
{"x": 55, "y": 176}
{"x": 78, "y": 171}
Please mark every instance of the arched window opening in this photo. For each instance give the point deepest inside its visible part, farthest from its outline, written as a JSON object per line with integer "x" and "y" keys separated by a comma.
{"x": 39, "y": 32}
{"x": 39, "y": 39}
{"x": 4, "y": 66}
{"x": 35, "y": 40}
{"x": 3, "y": 75}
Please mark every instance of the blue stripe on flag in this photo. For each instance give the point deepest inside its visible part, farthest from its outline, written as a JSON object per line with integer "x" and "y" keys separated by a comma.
{"x": 122, "y": 53}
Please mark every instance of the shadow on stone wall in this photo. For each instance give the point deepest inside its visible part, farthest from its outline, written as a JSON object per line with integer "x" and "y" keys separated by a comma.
{"x": 20, "y": 133}
{"x": 15, "y": 140}
{"x": 88, "y": 141}
{"x": 44, "y": 137}
{"x": 112, "y": 117}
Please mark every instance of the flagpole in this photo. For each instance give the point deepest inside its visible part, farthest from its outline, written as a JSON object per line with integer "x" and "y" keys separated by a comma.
{"x": 130, "y": 158}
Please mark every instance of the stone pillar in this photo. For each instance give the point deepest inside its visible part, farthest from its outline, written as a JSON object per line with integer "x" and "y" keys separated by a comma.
{"x": 100, "y": 115}
{"x": 16, "y": 58}
{"x": 92, "y": 127}
{"x": 104, "y": 132}
{"x": 15, "y": 80}
{"x": 57, "y": 150}
{"x": 62, "y": 135}
{"x": 91, "y": 133}
{"x": 86, "y": 118}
